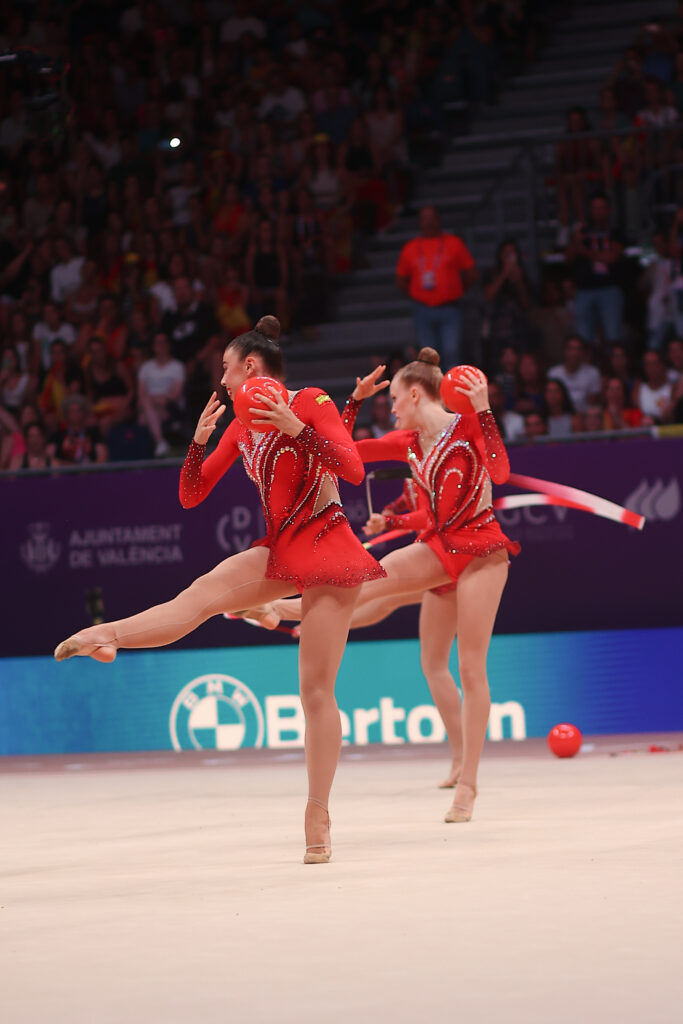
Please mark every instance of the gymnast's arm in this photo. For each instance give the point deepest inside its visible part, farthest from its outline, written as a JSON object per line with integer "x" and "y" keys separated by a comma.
{"x": 403, "y": 514}
{"x": 198, "y": 475}
{"x": 392, "y": 447}
{"x": 417, "y": 520}
{"x": 366, "y": 387}
{"x": 483, "y": 431}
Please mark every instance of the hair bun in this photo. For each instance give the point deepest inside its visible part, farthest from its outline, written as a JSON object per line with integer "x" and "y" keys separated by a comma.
{"x": 269, "y": 327}
{"x": 429, "y": 355}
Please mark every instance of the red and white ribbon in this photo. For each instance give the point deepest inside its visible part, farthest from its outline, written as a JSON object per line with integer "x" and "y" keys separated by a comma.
{"x": 550, "y": 494}
{"x": 384, "y": 538}
{"x": 569, "y": 497}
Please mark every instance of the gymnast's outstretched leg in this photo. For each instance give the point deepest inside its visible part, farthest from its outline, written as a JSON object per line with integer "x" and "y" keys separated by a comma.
{"x": 237, "y": 581}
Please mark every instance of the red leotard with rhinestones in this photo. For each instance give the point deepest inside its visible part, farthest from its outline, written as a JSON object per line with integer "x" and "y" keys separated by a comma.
{"x": 453, "y": 512}
{"x": 309, "y": 537}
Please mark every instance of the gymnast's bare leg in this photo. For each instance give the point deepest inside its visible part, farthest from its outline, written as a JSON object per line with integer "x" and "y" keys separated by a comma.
{"x": 438, "y": 627}
{"x": 325, "y": 622}
{"x": 235, "y": 582}
{"x": 470, "y": 611}
{"x": 416, "y": 569}
{"x": 480, "y": 588}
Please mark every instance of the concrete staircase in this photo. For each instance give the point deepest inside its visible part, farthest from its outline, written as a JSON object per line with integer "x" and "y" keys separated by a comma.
{"x": 485, "y": 163}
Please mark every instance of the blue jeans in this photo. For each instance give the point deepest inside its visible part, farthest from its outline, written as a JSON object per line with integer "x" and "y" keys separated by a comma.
{"x": 599, "y": 306}
{"x": 439, "y": 327}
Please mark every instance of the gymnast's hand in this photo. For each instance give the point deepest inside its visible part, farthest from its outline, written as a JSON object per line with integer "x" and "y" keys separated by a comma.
{"x": 375, "y": 524}
{"x": 278, "y": 414}
{"x": 476, "y": 389}
{"x": 207, "y": 421}
{"x": 367, "y": 387}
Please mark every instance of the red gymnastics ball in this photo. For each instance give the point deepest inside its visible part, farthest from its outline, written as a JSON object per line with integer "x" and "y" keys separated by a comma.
{"x": 565, "y": 740}
{"x": 245, "y": 399}
{"x": 455, "y": 378}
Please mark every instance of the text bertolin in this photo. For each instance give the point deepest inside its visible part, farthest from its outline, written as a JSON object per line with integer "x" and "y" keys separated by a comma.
{"x": 392, "y": 724}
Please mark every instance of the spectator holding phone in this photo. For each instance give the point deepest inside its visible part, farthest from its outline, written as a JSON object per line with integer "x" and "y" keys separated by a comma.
{"x": 595, "y": 255}
{"x": 508, "y": 299}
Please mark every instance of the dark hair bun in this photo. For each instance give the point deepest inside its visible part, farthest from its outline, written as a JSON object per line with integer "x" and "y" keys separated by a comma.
{"x": 429, "y": 355}
{"x": 269, "y": 327}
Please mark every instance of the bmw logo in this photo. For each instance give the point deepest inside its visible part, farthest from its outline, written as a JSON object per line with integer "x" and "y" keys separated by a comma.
{"x": 216, "y": 712}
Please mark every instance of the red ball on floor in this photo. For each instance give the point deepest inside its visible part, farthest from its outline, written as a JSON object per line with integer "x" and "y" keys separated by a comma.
{"x": 565, "y": 740}
{"x": 455, "y": 378}
{"x": 245, "y": 399}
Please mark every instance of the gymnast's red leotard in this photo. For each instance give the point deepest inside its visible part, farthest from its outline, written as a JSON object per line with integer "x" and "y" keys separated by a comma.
{"x": 453, "y": 511}
{"x": 308, "y": 535}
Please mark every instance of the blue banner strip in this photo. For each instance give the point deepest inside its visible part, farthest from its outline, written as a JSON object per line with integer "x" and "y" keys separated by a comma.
{"x": 225, "y": 698}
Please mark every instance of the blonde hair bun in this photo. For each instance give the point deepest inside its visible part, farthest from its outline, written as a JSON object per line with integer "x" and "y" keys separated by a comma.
{"x": 269, "y": 327}
{"x": 429, "y": 355}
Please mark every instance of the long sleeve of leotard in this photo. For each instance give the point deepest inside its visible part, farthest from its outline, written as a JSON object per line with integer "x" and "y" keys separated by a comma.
{"x": 326, "y": 438}
{"x": 198, "y": 476}
{"x": 401, "y": 513}
{"x": 417, "y": 520}
{"x": 483, "y": 432}
{"x": 393, "y": 447}
{"x": 349, "y": 413}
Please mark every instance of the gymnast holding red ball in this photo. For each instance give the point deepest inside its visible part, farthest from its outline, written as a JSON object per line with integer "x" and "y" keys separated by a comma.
{"x": 294, "y": 446}
{"x": 459, "y": 563}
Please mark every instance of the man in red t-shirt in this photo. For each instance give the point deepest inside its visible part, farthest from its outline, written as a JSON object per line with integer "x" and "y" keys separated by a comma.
{"x": 435, "y": 270}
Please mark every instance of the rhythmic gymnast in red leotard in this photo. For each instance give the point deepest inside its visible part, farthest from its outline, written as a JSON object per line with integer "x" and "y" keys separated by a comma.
{"x": 453, "y": 461}
{"x": 309, "y": 547}
{"x": 437, "y": 623}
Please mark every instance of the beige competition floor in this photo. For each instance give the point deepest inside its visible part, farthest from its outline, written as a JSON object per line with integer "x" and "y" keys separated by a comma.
{"x": 170, "y": 888}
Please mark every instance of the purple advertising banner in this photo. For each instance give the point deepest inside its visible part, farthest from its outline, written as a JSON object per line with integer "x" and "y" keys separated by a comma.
{"x": 122, "y": 537}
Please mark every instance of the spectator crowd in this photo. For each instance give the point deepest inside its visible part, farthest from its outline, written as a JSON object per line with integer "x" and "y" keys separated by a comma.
{"x": 185, "y": 166}
{"x": 170, "y": 170}
{"x": 531, "y": 399}
{"x": 558, "y": 365}
{"x": 622, "y": 186}
{"x": 598, "y": 345}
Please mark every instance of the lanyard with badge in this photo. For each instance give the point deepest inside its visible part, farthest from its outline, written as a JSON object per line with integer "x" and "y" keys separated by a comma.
{"x": 428, "y": 274}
